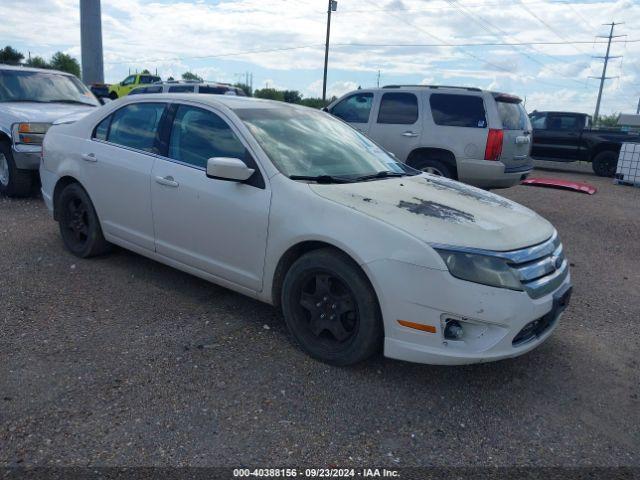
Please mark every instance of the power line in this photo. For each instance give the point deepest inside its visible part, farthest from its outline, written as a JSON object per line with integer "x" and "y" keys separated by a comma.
{"x": 365, "y": 45}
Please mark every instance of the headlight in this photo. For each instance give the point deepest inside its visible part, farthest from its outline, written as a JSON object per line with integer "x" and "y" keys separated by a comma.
{"x": 29, "y": 133}
{"x": 483, "y": 269}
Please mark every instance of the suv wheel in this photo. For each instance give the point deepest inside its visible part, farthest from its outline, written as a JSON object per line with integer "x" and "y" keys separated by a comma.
{"x": 14, "y": 182}
{"x": 113, "y": 96}
{"x": 79, "y": 224}
{"x": 331, "y": 309}
{"x": 605, "y": 163}
{"x": 434, "y": 167}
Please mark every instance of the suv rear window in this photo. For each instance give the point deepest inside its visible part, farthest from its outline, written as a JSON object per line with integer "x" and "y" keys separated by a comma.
{"x": 398, "y": 108}
{"x": 513, "y": 115}
{"x": 458, "y": 110}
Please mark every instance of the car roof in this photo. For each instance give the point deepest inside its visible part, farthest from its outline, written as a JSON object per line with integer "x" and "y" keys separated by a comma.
{"x": 31, "y": 69}
{"x": 233, "y": 102}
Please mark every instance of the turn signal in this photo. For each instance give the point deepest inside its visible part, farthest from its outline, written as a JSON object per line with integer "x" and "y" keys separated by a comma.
{"x": 418, "y": 326}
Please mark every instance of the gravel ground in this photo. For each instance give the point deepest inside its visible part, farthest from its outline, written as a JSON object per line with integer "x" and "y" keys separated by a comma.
{"x": 121, "y": 361}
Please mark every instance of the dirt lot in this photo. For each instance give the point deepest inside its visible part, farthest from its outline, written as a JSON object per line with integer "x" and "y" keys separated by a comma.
{"x": 122, "y": 361}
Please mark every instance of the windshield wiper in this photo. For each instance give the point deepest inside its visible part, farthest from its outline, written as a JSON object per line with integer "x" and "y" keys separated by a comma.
{"x": 320, "y": 178}
{"x": 64, "y": 100}
{"x": 383, "y": 174}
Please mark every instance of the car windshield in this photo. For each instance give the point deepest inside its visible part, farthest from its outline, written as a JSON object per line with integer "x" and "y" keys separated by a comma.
{"x": 29, "y": 86}
{"x": 306, "y": 142}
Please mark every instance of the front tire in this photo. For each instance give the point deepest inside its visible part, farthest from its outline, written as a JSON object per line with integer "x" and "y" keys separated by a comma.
{"x": 113, "y": 96}
{"x": 605, "y": 163}
{"x": 14, "y": 182}
{"x": 79, "y": 225}
{"x": 331, "y": 309}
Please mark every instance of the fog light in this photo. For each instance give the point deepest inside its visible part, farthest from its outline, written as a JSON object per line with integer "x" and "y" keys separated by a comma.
{"x": 453, "y": 330}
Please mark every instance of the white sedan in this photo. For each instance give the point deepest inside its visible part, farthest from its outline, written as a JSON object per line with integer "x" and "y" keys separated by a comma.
{"x": 293, "y": 207}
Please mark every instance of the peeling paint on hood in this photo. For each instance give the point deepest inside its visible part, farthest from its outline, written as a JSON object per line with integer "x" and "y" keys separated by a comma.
{"x": 438, "y": 210}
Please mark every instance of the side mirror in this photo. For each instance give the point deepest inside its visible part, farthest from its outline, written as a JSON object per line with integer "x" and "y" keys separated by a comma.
{"x": 325, "y": 109}
{"x": 231, "y": 169}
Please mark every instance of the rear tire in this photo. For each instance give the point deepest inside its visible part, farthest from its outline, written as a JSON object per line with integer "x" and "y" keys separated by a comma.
{"x": 605, "y": 163}
{"x": 434, "y": 167}
{"x": 79, "y": 225}
{"x": 331, "y": 309}
{"x": 14, "y": 182}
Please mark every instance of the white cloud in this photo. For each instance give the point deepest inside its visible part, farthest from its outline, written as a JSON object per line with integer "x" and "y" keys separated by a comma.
{"x": 206, "y": 37}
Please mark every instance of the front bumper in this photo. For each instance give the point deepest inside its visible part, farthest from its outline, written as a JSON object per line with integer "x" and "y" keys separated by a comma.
{"x": 491, "y": 317}
{"x": 26, "y": 158}
{"x": 491, "y": 173}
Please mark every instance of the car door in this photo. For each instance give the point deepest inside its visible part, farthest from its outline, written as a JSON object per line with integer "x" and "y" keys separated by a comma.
{"x": 127, "y": 85}
{"x": 397, "y": 127}
{"x": 355, "y": 110}
{"x": 119, "y": 159}
{"x": 559, "y": 137}
{"x": 218, "y": 227}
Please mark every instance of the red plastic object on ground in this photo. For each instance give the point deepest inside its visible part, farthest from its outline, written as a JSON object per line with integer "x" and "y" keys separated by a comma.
{"x": 562, "y": 184}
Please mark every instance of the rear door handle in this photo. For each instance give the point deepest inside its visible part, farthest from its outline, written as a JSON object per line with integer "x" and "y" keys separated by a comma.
{"x": 167, "y": 181}
{"x": 409, "y": 134}
{"x": 89, "y": 157}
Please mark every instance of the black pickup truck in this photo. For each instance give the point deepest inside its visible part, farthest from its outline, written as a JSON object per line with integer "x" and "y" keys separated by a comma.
{"x": 568, "y": 137}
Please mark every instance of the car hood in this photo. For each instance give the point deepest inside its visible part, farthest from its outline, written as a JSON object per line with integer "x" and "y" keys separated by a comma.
{"x": 41, "y": 112}
{"x": 437, "y": 210}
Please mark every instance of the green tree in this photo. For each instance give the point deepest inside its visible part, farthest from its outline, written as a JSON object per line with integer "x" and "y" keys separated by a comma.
{"x": 246, "y": 88}
{"x": 65, "y": 63}
{"x": 315, "y": 102}
{"x": 145, "y": 72}
{"x": 270, "y": 94}
{"x": 37, "y": 62}
{"x": 608, "y": 120}
{"x": 191, "y": 76}
{"x": 292, "y": 96}
{"x": 10, "y": 56}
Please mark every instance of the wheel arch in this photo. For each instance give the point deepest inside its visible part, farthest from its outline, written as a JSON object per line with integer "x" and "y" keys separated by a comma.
{"x": 60, "y": 186}
{"x": 434, "y": 153}
{"x": 604, "y": 147}
{"x": 293, "y": 253}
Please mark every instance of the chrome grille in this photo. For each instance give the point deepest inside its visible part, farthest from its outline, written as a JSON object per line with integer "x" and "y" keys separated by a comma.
{"x": 541, "y": 268}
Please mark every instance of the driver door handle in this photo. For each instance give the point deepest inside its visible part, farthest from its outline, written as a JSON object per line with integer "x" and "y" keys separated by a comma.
{"x": 167, "y": 181}
{"x": 89, "y": 157}
{"x": 409, "y": 134}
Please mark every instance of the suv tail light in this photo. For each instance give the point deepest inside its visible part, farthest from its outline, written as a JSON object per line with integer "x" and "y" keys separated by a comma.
{"x": 494, "y": 144}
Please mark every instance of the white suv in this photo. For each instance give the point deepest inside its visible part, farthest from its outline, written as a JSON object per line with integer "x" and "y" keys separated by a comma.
{"x": 475, "y": 136}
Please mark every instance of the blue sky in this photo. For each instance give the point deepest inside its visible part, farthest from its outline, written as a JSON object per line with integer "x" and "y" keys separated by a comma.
{"x": 223, "y": 39}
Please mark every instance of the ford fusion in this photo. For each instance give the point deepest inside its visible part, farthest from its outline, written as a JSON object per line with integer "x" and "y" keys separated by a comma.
{"x": 293, "y": 207}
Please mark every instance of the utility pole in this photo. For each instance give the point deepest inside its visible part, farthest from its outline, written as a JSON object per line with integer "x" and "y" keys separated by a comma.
{"x": 378, "y": 78}
{"x": 91, "y": 42}
{"x": 333, "y": 6}
{"x": 638, "y": 109}
{"x": 606, "y": 58}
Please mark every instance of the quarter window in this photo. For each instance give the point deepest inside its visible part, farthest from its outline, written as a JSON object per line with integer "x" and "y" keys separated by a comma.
{"x": 458, "y": 110}
{"x": 354, "y": 109}
{"x": 102, "y": 130}
{"x": 398, "y": 108}
{"x": 197, "y": 135}
{"x": 136, "y": 126}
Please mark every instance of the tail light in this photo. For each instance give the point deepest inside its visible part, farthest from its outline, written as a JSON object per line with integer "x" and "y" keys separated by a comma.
{"x": 494, "y": 144}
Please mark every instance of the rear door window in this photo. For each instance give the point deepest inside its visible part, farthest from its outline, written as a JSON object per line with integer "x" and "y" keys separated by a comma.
{"x": 513, "y": 115}
{"x": 354, "y": 109}
{"x": 398, "y": 108}
{"x": 181, "y": 89}
{"x": 136, "y": 126}
{"x": 458, "y": 110}
{"x": 213, "y": 90}
{"x": 564, "y": 122}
